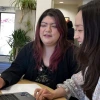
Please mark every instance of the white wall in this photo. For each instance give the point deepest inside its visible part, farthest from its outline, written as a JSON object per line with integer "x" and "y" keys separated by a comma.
{"x": 86, "y": 1}
{"x": 68, "y": 11}
{"x": 31, "y": 16}
{"x": 42, "y": 5}
{"x": 6, "y": 3}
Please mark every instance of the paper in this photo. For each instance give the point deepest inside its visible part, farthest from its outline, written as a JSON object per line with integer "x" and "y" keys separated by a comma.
{"x": 30, "y": 88}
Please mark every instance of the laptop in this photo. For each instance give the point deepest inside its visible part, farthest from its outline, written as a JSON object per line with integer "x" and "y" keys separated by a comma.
{"x": 17, "y": 96}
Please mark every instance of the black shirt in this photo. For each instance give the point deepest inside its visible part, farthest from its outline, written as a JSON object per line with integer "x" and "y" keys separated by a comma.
{"x": 25, "y": 64}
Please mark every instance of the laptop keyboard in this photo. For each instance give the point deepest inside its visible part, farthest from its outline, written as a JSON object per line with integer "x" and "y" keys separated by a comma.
{"x": 8, "y": 97}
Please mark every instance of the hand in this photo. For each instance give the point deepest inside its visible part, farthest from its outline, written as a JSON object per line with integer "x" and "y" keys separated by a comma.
{"x": 2, "y": 82}
{"x": 43, "y": 94}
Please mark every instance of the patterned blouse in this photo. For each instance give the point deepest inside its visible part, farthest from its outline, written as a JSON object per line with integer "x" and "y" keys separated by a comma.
{"x": 74, "y": 86}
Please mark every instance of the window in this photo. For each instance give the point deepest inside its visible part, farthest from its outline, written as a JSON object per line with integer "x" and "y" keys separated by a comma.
{"x": 6, "y": 29}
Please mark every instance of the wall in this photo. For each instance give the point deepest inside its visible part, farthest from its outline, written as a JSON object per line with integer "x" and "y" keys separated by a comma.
{"x": 42, "y": 5}
{"x": 68, "y": 11}
{"x": 28, "y": 16}
{"x": 86, "y": 1}
{"x": 6, "y": 3}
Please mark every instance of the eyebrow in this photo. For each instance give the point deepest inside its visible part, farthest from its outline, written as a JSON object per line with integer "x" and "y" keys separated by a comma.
{"x": 79, "y": 25}
{"x": 47, "y": 23}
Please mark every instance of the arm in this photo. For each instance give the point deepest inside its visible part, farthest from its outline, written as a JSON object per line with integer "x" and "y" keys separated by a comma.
{"x": 13, "y": 74}
{"x": 2, "y": 82}
{"x": 74, "y": 86}
{"x": 60, "y": 92}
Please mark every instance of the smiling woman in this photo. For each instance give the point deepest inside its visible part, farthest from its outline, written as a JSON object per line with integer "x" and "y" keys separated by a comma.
{"x": 49, "y": 59}
{"x": 48, "y": 31}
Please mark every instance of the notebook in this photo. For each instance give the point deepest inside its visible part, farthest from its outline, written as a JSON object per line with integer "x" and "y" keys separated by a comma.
{"x": 30, "y": 88}
{"x": 17, "y": 96}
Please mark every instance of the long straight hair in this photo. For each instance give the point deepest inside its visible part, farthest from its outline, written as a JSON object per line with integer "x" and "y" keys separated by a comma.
{"x": 62, "y": 43}
{"x": 89, "y": 54}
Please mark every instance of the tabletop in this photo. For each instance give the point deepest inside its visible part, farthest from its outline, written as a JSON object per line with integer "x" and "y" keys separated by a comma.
{"x": 23, "y": 81}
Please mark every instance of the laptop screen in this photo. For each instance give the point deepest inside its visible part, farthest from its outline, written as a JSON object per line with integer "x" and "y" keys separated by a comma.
{"x": 17, "y": 96}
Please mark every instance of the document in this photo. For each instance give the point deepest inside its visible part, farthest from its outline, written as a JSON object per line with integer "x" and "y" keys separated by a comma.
{"x": 30, "y": 88}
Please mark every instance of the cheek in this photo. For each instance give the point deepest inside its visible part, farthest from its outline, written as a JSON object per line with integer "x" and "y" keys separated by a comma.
{"x": 57, "y": 35}
{"x": 82, "y": 37}
{"x": 41, "y": 30}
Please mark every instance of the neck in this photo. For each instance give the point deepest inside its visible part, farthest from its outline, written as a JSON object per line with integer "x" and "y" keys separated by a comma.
{"x": 48, "y": 50}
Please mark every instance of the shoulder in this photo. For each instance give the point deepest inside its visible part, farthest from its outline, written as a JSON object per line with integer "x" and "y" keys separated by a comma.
{"x": 78, "y": 78}
{"x": 27, "y": 48}
{"x": 71, "y": 49}
{"x": 71, "y": 53}
{"x": 30, "y": 44}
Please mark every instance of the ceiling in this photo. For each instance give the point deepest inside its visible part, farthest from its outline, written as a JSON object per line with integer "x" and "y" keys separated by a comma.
{"x": 76, "y": 2}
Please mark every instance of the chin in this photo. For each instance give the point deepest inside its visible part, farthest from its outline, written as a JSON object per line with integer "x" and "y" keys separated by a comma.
{"x": 47, "y": 44}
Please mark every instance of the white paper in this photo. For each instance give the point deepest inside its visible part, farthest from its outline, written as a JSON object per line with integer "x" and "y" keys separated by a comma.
{"x": 30, "y": 88}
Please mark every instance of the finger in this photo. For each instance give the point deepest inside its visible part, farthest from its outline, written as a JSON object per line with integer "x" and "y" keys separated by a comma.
{"x": 39, "y": 95}
{"x": 43, "y": 98}
{"x": 36, "y": 91}
{"x": 44, "y": 91}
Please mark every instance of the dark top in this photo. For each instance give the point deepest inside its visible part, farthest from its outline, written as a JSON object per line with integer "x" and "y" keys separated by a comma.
{"x": 70, "y": 34}
{"x": 25, "y": 64}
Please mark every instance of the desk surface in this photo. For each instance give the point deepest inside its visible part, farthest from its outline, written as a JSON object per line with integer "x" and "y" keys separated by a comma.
{"x": 43, "y": 86}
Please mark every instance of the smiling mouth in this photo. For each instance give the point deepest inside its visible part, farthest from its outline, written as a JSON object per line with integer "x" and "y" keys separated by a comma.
{"x": 47, "y": 35}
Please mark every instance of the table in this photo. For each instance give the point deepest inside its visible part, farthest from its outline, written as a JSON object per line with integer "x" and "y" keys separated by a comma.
{"x": 23, "y": 81}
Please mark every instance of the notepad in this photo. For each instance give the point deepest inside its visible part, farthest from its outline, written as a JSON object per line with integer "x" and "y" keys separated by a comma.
{"x": 30, "y": 88}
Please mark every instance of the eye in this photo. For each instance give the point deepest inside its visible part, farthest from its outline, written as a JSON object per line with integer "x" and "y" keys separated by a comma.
{"x": 43, "y": 25}
{"x": 80, "y": 30}
{"x": 54, "y": 26}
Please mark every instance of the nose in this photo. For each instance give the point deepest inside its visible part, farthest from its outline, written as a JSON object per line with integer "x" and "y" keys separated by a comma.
{"x": 48, "y": 28}
{"x": 76, "y": 35}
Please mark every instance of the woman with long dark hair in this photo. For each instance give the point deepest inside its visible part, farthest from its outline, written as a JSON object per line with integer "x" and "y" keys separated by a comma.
{"x": 84, "y": 85}
{"x": 49, "y": 59}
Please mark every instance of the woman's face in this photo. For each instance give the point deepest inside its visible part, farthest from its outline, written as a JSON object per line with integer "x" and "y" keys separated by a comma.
{"x": 79, "y": 29}
{"x": 48, "y": 31}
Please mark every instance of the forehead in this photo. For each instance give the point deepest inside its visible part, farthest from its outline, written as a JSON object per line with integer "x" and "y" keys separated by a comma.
{"x": 48, "y": 19}
{"x": 79, "y": 19}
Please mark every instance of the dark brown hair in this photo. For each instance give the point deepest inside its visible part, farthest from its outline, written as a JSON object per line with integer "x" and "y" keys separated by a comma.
{"x": 62, "y": 43}
{"x": 89, "y": 54}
